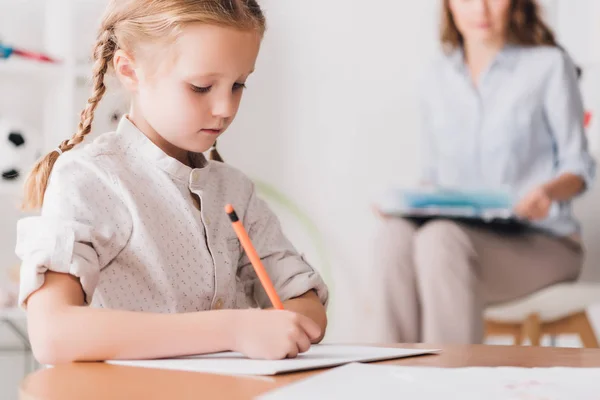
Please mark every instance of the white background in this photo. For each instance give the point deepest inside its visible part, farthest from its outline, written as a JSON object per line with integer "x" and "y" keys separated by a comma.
{"x": 331, "y": 118}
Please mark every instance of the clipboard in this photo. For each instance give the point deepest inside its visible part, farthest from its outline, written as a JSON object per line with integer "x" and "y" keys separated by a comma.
{"x": 484, "y": 208}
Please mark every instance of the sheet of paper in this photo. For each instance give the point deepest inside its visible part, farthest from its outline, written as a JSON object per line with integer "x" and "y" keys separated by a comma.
{"x": 367, "y": 381}
{"x": 319, "y": 356}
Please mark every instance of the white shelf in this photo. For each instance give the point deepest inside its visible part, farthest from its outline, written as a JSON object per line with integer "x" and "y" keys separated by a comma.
{"x": 38, "y": 70}
{"x": 16, "y": 66}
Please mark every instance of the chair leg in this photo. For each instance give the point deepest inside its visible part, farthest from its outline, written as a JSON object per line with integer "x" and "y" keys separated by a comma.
{"x": 517, "y": 338}
{"x": 531, "y": 330}
{"x": 582, "y": 326}
{"x": 578, "y": 324}
{"x": 493, "y": 328}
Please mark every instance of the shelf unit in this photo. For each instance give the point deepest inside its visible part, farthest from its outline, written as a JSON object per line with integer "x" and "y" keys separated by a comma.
{"x": 64, "y": 29}
{"x": 16, "y": 67}
{"x": 46, "y": 97}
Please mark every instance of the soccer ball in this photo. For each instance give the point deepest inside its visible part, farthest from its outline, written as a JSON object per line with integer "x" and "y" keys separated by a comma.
{"x": 17, "y": 152}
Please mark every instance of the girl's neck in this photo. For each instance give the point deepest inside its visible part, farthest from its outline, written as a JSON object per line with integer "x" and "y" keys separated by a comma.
{"x": 479, "y": 55}
{"x": 172, "y": 151}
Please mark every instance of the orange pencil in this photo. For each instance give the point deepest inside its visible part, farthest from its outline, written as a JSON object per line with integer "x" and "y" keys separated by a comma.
{"x": 261, "y": 272}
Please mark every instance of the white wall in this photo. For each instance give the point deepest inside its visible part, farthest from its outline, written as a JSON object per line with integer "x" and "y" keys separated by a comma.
{"x": 332, "y": 109}
{"x": 330, "y": 117}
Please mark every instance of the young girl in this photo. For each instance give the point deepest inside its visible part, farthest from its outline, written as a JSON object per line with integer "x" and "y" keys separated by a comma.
{"x": 134, "y": 224}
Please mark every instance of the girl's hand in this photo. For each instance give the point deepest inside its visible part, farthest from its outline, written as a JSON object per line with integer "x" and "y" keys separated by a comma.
{"x": 535, "y": 206}
{"x": 273, "y": 334}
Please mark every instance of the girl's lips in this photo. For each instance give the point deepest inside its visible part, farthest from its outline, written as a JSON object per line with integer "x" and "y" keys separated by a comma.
{"x": 212, "y": 131}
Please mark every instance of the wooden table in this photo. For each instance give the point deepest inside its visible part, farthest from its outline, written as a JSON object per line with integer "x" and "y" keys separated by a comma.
{"x": 93, "y": 381}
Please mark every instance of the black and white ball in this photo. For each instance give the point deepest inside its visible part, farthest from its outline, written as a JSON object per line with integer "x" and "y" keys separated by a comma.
{"x": 17, "y": 151}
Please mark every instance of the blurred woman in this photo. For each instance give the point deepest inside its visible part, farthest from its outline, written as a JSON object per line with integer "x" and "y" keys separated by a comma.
{"x": 502, "y": 107}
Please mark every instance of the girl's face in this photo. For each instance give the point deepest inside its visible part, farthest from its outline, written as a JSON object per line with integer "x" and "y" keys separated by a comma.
{"x": 481, "y": 20}
{"x": 194, "y": 95}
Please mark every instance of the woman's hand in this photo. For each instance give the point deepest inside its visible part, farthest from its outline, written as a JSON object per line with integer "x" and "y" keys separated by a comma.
{"x": 536, "y": 205}
{"x": 378, "y": 213}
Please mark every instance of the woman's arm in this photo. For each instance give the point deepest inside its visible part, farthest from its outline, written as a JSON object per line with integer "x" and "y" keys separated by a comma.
{"x": 564, "y": 110}
{"x": 536, "y": 205}
{"x": 62, "y": 329}
{"x": 564, "y": 187}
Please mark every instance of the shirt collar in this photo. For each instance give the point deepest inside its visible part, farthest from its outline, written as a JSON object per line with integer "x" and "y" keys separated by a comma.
{"x": 138, "y": 144}
{"x": 506, "y": 57}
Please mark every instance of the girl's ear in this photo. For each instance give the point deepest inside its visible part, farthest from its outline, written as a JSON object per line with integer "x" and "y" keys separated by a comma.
{"x": 125, "y": 70}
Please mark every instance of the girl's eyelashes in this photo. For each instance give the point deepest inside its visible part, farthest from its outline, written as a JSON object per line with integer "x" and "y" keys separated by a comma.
{"x": 206, "y": 89}
{"x": 239, "y": 86}
{"x": 201, "y": 89}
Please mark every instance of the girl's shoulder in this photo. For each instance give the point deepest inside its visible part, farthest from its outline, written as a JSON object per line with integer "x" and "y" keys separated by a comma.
{"x": 98, "y": 159}
{"x": 86, "y": 175}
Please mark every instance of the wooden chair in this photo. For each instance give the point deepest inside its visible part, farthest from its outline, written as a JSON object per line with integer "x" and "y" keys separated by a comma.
{"x": 557, "y": 310}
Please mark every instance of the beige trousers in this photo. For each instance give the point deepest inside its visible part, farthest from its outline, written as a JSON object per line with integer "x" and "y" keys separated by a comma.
{"x": 433, "y": 281}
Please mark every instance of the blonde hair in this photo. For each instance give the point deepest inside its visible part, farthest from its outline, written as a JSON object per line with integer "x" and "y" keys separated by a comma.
{"x": 125, "y": 25}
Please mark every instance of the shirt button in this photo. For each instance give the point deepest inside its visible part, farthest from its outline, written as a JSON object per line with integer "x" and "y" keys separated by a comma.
{"x": 218, "y": 304}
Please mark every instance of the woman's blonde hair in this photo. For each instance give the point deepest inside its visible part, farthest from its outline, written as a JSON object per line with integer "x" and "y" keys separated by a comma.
{"x": 125, "y": 25}
{"x": 526, "y": 26}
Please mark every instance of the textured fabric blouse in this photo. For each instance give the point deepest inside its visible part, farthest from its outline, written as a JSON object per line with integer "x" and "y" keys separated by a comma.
{"x": 144, "y": 232}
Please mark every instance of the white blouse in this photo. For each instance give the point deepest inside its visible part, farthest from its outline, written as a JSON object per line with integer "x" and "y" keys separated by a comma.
{"x": 119, "y": 214}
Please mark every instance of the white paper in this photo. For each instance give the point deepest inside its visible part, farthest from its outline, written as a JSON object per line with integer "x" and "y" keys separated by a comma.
{"x": 364, "y": 381}
{"x": 319, "y": 356}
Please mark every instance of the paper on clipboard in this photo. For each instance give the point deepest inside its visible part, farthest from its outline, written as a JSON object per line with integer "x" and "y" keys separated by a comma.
{"x": 480, "y": 204}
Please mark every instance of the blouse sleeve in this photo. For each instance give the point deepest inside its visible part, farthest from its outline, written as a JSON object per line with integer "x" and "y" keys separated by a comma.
{"x": 82, "y": 226}
{"x": 292, "y": 276}
{"x": 564, "y": 111}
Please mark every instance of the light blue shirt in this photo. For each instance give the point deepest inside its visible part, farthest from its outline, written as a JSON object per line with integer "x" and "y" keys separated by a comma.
{"x": 521, "y": 127}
